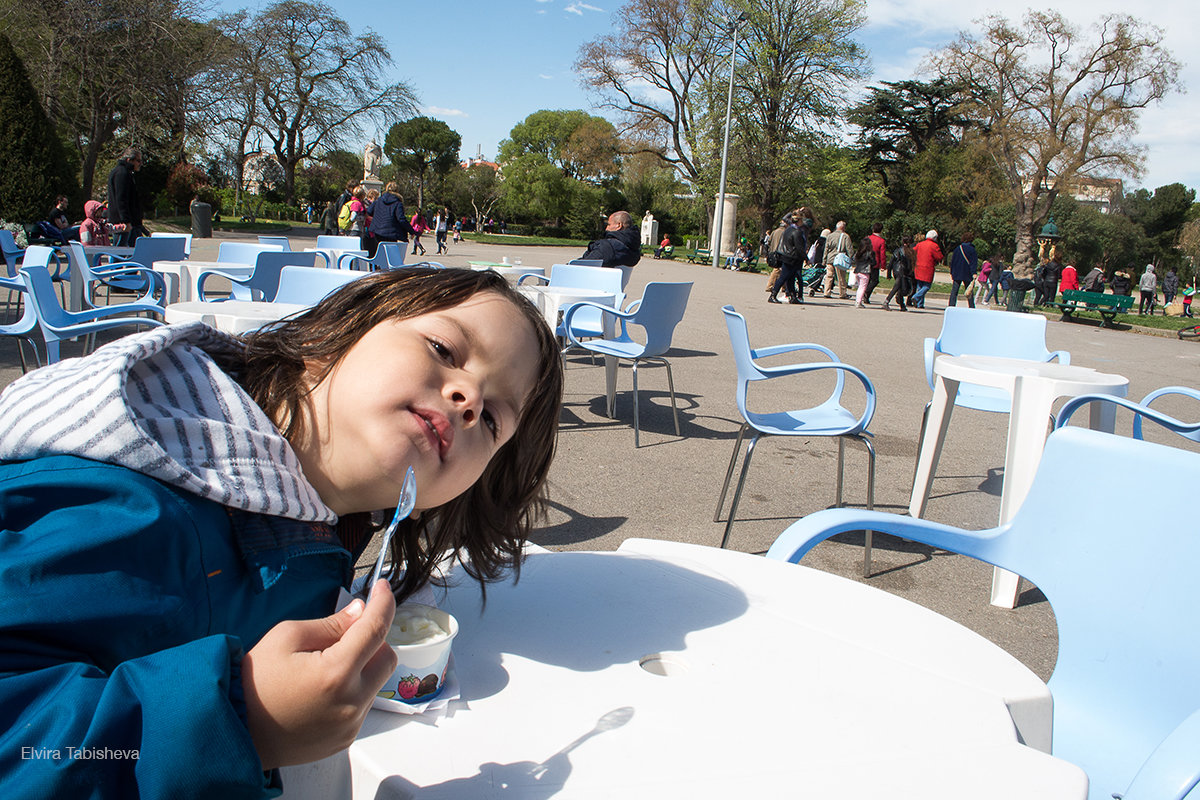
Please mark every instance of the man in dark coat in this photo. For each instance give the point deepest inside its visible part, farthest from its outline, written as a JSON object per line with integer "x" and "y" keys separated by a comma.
{"x": 621, "y": 245}
{"x": 124, "y": 202}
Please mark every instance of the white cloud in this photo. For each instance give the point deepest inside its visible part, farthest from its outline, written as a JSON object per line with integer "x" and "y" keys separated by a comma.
{"x": 435, "y": 111}
{"x": 545, "y": 77}
{"x": 540, "y": 10}
{"x": 543, "y": 1}
{"x": 579, "y": 8}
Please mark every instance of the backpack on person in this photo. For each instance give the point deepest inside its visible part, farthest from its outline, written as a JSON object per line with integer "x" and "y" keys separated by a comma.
{"x": 345, "y": 217}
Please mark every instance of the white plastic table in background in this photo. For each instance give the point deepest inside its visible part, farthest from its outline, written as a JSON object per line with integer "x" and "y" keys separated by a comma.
{"x": 552, "y": 300}
{"x": 780, "y": 681}
{"x": 332, "y": 254}
{"x": 1033, "y": 386}
{"x": 512, "y": 273}
{"x": 231, "y": 316}
{"x": 180, "y": 276}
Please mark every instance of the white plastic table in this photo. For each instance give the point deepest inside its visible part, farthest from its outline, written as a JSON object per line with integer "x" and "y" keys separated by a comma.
{"x": 180, "y": 276}
{"x": 231, "y": 316}
{"x": 780, "y": 681}
{"x": 512, "y": 273}
{"x": 333, "y": 254}
{"x": 551, "y": 300}
{"x": 1033, "y": 386}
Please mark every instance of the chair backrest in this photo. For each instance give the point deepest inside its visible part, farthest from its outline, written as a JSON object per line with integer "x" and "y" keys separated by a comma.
{"x": 748, "y": 370}
{"x": 12, "y": 253}
{"x": 661, "y": 309}
{"x": 1142, "y": 410}
{"x": 187, "y": 240}
{"x": 243, "y": 252}
{"x": 588, "y": 321}
{"x": 264, "y": 281}
{"x": 310, "y": 285}
{"x": 40, "y": 291}
{"x": 1119, "y": 575}
{"x": 149, "y": 249}
{"x": 284, "y": 243}
{"x": 339, "y": 242}
{"x": 393, "y": 253}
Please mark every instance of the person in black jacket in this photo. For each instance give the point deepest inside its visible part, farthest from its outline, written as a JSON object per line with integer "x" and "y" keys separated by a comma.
{"x": 124, "y": 202}
{"x": 621, "y": 245}
{"x": 388, "y": 223}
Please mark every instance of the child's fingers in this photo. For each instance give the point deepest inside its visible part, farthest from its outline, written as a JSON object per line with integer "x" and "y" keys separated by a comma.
{"x": 359, "y": 643}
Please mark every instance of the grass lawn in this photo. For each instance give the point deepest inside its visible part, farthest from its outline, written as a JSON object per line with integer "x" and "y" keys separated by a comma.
{"x": 530, "y": 241}
{"x": 261, "y": 226}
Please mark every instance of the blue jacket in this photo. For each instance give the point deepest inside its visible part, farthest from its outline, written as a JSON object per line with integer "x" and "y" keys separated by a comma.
{"x": 964, "y": 263}
{"x": 127, "y": 606}
{"x": 619, "y": 248}
{"x": 387, "y": 219}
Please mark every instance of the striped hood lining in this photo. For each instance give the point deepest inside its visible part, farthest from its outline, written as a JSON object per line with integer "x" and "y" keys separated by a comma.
{"x": 157, "y": 403}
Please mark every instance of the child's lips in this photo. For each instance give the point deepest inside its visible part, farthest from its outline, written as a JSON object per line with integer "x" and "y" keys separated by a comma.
{"x": 437, "y": 429}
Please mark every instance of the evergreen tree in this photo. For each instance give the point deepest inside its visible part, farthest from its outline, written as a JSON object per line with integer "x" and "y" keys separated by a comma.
{"x": 34, "y": 164}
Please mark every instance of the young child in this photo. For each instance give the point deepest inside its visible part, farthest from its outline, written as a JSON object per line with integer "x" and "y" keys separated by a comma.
{"x": 1187, "y": 299}
{"x": 179, "y": 510}
{"x": 94, "y": 228}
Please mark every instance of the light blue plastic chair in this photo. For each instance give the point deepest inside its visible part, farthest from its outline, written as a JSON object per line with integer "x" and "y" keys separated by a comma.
{"x": 58, "y": 324}
{"x": 310, "y": 285}
{"x": 285, "y": 244}
{"x": 123, "y": 274}
{"x": 147, "y": 250}
{"x": 983, "y": 332}
{"x": 24, "y": 327}
{"x": 1119, "y": 574}
{"x": 245, "y": 253}
{"x": 389, "y": 255}
{"x": 339, "y": 242}
{"x": 187, "y": 240}
{"x": 828, "y": 419}
{"x": 1188, "y": 430}
{"x": 263, "y": 281}
{"x": 587, "y": 322}
{"x": 11, "y": 252}
{"x": 53, "y": 260}
{"x": 657, "y": 313}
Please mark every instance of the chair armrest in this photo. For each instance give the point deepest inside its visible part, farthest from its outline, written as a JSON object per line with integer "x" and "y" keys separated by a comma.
{"x": 98, "y": 313}
{"x": 930, "y": 355}
{"x": 1187, "y": 391}
{"x": 1062, "y": 355}
{"x": 623, "y": 316}
{"x": 544, "y": 280}
{"x": 1189, "y": 429}
{"x": 780, "y": 349}
{"x": 156, "y": 286}
{"x": 1173, "y": 769}
{"x": 806, "y": 533}
{"x": 347, "y": 257}
{"x": 203, "y": 276}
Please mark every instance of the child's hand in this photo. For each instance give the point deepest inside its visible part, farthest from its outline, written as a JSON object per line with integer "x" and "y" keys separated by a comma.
{"x": 309, "y": 684}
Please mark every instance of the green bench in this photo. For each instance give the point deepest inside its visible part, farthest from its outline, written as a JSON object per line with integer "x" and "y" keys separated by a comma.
{"x": 701, "y": 256}
{"x": 1107, "y": 305}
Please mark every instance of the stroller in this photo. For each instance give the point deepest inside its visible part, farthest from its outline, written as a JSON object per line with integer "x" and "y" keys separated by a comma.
{"x": 812, "y": 277}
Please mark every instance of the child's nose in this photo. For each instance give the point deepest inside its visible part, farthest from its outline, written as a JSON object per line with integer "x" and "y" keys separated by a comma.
{"x": 468, "y": 401}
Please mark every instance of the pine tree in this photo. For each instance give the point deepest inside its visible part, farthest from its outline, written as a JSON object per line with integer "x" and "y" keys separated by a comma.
{"x": 34, "y": 167}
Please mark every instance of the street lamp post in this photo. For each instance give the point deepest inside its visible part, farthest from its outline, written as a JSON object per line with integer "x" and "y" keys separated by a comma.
{"x": 718, "y": 216}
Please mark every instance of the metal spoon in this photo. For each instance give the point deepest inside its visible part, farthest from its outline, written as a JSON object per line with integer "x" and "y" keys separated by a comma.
{"x": 404, "y": 507}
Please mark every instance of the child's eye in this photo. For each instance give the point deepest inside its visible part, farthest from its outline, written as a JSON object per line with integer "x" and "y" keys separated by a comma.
{"x": 442, "y": 349}
{"x": 491, "y": 422}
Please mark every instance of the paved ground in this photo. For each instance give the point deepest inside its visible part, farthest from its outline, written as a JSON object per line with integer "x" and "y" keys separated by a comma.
{"x": 604, "y": 491}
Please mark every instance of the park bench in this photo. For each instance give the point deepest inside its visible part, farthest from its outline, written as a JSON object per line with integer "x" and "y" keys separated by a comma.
{"x": 668, "y": 252}
{"x": 1107, "y": 305}
{"x": 700, "y": 256}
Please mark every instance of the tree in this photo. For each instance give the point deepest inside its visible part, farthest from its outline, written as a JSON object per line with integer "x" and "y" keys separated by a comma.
{"x": 34, "y": 167}
{"x": 579, "y": 145}
{"x": 317, "y": 81}
{"x": 420, "y": 146}
{"x": 1162, "y": 216}
{"x": 477, "y": 186}
{"x": 1054, "y": 105}
{"x": 118, "y": 68}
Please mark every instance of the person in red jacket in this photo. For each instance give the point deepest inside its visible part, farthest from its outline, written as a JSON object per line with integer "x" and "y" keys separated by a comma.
{"x": 928, "y": 256}
{"x": 879, "y": 247}
{"x": 1070, "y": 278}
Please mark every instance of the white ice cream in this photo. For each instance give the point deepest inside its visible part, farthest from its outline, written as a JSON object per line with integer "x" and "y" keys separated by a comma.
{"x": 412, "y": 626}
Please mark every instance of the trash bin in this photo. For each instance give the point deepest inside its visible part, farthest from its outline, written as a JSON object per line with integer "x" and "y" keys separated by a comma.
{"x": 1016, "y": 294}
{"x": 201, "y": 220}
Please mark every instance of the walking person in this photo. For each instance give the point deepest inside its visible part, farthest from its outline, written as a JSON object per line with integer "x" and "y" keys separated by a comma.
{"x": 1170, "y": 286}
{"x": 388, "y": 222}
{"x": 441, "y": 227}
{"x": 901, "y": 268}
{"x": 879, "y": 247}
{"x": 837, "y": 244}
{"x": 791, "y": 253}
{"x": 419, "y": 225}
{"x": 963, "y": 263}
{"x": 124, "y": 202}
{"x": 928, "y": 255}
{"x": 864, "y": 265}
{"x": 982, "y": 280}
{"x": 1148, "y": 286}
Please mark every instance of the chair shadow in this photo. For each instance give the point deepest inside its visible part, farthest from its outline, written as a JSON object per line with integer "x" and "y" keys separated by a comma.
{"x": 576, "y": 529}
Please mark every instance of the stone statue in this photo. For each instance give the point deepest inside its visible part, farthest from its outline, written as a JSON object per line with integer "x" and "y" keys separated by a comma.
{"x": 371, "y": 160}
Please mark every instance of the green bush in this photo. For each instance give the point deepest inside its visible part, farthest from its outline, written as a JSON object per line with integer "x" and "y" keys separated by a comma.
{"x": 34, "y": 167}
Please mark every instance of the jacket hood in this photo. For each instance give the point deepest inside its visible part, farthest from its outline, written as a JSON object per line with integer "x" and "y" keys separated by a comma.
{"x": 158, "y": 403}
{"x": 91, "y": 210}
{"x": 388, "y": 199}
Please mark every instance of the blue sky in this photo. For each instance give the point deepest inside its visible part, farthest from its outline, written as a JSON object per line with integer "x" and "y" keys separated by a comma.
{"x": 482, "y": 66}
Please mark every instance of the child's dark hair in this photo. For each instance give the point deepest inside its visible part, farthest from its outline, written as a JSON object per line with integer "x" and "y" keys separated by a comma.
{"x": 491, "y": 520}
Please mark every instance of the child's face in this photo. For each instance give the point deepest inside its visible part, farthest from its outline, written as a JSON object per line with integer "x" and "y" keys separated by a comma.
{"x": 441, "y": 392}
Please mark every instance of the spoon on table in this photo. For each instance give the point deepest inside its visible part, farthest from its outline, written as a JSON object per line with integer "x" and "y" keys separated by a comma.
{"x": 404, "y": 507}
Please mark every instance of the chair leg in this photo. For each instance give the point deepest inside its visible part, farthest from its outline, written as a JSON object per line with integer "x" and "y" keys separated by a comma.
{"x": 737, "y": 494}
{"x": 737, "y": 446}
{"x": 635, "y": 405}
{"x": 867, "y": 542}
{"x": 840, "y": 471}
{"x": 671, "y": 387}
